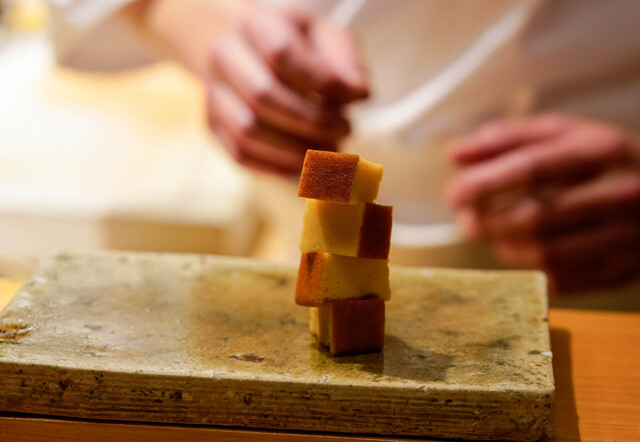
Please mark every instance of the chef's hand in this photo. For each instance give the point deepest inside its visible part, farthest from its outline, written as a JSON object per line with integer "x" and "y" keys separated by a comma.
{"x": 280, "y": 81}
{"x": 553, "y": 192}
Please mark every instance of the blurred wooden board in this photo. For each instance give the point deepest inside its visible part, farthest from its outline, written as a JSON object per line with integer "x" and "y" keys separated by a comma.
{"x": 214, "y": 340}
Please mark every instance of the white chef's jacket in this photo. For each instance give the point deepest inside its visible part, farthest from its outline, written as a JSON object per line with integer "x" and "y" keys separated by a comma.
{"x": 438, "y": 69}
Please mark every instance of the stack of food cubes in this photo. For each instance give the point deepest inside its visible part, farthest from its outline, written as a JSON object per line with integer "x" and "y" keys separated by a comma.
{"x": 344, "y": 271}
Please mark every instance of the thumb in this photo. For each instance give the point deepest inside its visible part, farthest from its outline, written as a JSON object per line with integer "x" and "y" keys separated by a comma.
{"x": 337, "y": 47}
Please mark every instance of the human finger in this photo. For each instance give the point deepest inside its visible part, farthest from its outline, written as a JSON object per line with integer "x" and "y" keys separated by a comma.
{"x": 337, "y": 47}
{"x": 273, "y": 103}
{"x": 283, "y": 38}
{"x": 556, "y": 158}
{"x": 240, "y": 156}
{"x": 248, "y": 139}
{"x": 614, "y": 194}
{"x": 227, "y": 140}
{"x": 496, "y": 137}
{"x": 471, "y": 224}
{"x": 606, "y": 271}
{"x": 574, "y": 247}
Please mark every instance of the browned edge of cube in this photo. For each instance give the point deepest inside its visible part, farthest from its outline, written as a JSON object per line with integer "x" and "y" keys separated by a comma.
{"x": 328, "y": 176}
{"x": 309, "y": 276}
{"x": 375, "y": 232}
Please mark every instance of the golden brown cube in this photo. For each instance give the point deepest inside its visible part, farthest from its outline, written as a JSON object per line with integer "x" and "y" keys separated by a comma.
{"x": 339, "y": 177}
{"x": 349, "y": 327}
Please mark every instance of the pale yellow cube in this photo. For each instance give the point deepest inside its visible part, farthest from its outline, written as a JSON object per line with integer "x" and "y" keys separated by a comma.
{"x": 366, "y": 182}
{"x": 324, "y": 278}
{"x": 360, "y": 231}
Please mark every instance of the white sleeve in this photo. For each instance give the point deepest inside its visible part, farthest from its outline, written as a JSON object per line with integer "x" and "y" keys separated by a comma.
{"x": 91, "y": 35}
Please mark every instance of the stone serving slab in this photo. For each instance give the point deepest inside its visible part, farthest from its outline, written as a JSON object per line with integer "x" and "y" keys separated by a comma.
{"x": 217, "y": 340}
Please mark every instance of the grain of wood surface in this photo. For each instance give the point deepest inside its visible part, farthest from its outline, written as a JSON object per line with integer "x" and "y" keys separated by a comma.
{"x": 597, "y": 371}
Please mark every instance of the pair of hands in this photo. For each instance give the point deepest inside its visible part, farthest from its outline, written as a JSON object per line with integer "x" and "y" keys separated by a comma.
{"x": 550, "y": 192}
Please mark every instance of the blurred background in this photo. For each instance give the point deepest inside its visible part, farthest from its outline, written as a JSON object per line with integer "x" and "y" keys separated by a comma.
{"x": 124, "y": 160}
{"x": 114, "y": 160}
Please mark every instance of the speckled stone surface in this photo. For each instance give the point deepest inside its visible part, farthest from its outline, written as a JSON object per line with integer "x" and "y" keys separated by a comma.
{"x": 216, "y": 340}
